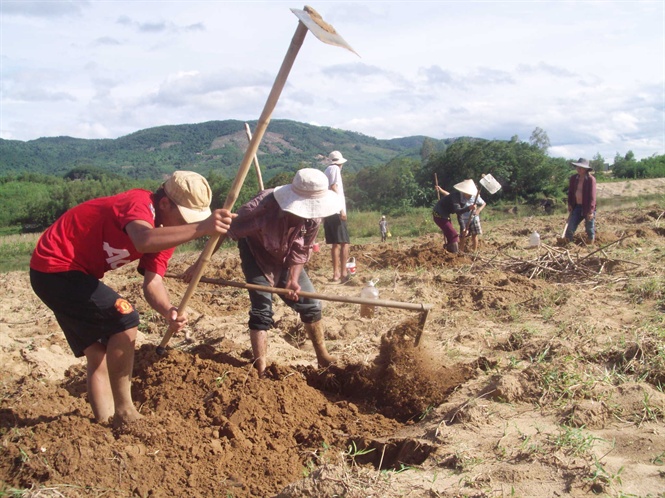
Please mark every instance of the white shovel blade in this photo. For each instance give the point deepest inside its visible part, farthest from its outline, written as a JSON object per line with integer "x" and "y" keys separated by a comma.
{"x": 329, "y": 35}
{"x": 490, "y": 184}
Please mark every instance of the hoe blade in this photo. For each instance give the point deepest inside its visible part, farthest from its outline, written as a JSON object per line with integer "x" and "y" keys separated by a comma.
{"x": 490, "y": 184}
{"x": 321, "y": 29}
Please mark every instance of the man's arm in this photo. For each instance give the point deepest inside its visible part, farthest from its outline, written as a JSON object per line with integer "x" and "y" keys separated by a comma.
{"x": 335, "y": 189}
{"x": 158, "y": 298}
{"x": 149, "y": 239}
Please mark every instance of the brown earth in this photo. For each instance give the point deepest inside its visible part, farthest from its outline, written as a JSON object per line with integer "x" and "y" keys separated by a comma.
{"x": 528, "y": 381}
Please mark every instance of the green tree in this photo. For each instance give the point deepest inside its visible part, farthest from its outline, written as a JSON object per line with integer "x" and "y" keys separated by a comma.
{"x": 598, "y": 162}
{"x": 524, "y": 170}
{"x": 540, "y": 139}
{"x": 428, "y": 148}
{"x": 390, "y": 188}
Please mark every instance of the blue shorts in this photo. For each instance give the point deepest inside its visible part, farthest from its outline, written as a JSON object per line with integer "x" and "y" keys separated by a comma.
{"x": 87, "y": 310}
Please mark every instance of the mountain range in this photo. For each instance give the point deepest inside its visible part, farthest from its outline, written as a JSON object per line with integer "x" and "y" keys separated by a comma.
{"x": 217, "y": 146}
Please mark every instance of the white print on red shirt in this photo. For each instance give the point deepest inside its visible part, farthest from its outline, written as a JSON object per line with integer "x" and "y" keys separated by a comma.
{"x": 115, "y": 256}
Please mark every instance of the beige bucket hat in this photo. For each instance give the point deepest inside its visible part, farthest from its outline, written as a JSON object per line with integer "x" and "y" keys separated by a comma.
{"x": 466, "y": 187}
{"x": 191, "y": 193}
{"x": 335, "y": 157}
{"x": 308, "y": 196}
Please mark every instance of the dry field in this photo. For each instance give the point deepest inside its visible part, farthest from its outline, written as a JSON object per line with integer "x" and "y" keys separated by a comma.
{"x": 540, "y": 372}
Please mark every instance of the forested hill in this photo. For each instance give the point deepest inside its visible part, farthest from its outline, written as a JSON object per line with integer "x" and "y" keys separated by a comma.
{"x": 216, "y": 146}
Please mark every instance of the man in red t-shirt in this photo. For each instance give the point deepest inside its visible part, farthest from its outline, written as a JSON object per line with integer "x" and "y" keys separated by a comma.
{"x": 103, "y": 234}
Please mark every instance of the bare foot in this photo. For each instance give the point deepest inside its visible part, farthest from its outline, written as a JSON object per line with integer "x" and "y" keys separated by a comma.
{"x": 126, "y": 418}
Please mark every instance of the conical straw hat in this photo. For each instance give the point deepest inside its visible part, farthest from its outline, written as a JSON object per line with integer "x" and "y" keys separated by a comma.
{"x": 467, "y": 187}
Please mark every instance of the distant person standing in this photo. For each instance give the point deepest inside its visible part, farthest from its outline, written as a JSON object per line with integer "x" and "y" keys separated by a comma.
{"x": 582, "y": 201}
{"x": 334, "y": 226}
{"x": 383, "y": 228}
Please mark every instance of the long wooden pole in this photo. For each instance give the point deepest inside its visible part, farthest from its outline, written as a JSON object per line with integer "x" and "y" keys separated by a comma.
{"x": 256, "y": 159}
{"x": 315, "y": 295}
{"x": 436, "y": 184}
{"x": 424, "y": 309}
{"x": 262, "y": 125}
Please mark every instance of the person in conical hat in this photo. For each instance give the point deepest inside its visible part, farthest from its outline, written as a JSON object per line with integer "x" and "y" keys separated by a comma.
{"x": 468, "y": 215}
{"x": 451, "y": 203}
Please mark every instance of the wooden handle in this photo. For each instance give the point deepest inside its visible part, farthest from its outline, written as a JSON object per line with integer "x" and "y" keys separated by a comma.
{"x": 262, "y": 125}
{"x": 436, "y": 183}
{"x": 256, "y": 159}
{"x": 314, "y": 295}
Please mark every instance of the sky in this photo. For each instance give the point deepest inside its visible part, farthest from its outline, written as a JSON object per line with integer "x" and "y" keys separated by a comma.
{"x": 591, "y": 74}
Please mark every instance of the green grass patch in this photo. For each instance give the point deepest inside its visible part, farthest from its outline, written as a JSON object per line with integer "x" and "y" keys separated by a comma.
{"x": 414, "y": 223}
{"x": 15, "y": 252}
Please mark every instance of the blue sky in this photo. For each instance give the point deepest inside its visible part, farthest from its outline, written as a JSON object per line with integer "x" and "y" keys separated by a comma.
{"x": 589, "y": 73}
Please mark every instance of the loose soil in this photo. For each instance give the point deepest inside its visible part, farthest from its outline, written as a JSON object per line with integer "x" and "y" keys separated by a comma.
{"x": 523, "y": 383}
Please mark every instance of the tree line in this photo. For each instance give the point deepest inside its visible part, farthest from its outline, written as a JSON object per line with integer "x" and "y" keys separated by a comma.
{"x": 31, "y": 201}
{"x": 523, "y": 168}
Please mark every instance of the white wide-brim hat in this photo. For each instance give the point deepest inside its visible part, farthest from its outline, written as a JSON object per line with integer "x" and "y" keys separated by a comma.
{"x": 582, "y": 163}
{"x": 467, "y": 187}
{"x": 335, "y": 157}
{"x": 308, "y": 196}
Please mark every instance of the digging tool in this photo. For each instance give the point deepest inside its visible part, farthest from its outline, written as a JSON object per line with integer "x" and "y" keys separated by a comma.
{"x": 256, "y": 159}
{"x": 310, "y": 20}
{"x": 436, "y": 184}
{"x": 490, "y": 184}
{"x": 424, "y": 309}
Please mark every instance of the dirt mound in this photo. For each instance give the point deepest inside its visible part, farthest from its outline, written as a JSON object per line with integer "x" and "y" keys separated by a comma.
{"x": 209, "y": 420}
{"x": 217, "y": 427}
{"x": 427, "y": 253}
{"x": 525, "y": 382}
{"x": 403, "y": 382}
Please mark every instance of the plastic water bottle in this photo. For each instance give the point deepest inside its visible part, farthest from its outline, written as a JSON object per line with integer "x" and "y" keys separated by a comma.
{"x": 368, "y": 292}
{"x": 534, "y": 239}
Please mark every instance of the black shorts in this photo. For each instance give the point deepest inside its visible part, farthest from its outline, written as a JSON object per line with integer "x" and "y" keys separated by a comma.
{"x": 87, "y": 310}
{"x": 335, "y": 230}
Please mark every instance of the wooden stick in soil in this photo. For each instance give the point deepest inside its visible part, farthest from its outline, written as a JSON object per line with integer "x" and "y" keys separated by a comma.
{"x": 262, "y": 125}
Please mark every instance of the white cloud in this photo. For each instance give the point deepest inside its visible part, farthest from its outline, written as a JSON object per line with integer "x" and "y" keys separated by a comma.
{"x": 591, "y": 74}
{"x": 43, "y": 9}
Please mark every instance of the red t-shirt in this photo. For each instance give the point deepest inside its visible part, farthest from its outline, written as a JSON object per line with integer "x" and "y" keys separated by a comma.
{"x": 91, "y": 237}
